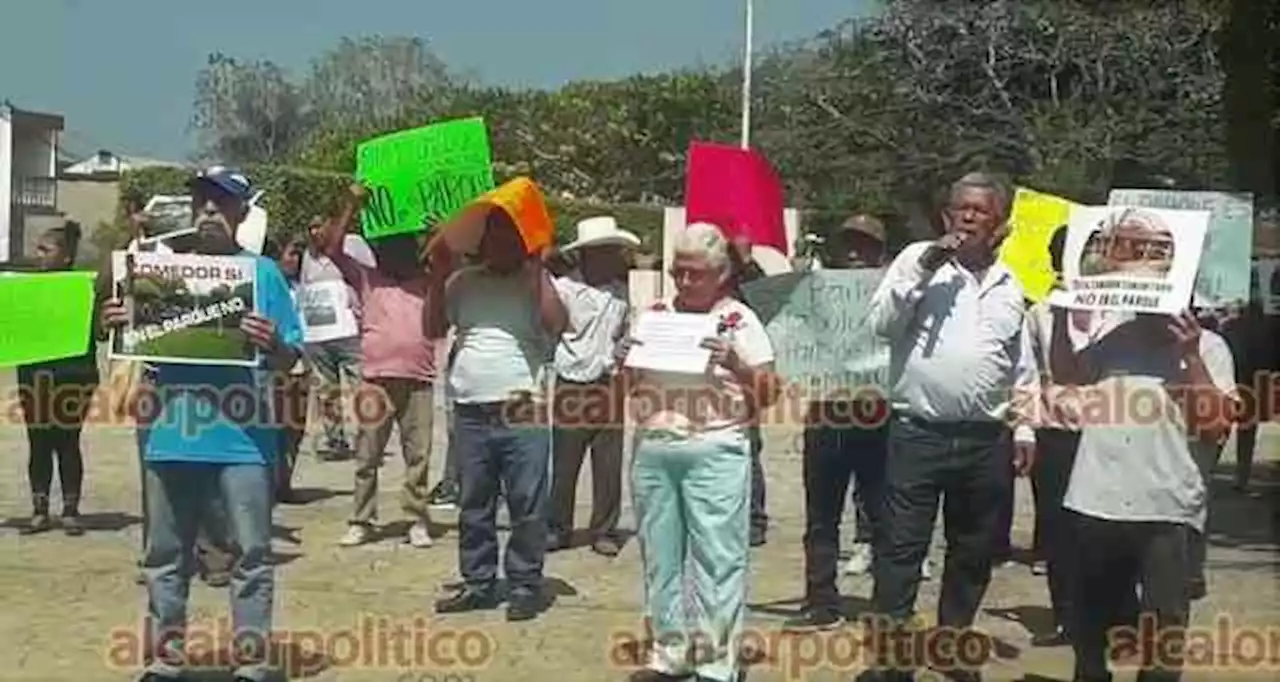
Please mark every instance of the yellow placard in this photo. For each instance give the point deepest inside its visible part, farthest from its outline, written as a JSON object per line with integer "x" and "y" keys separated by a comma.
{"x": 1036, "y": 216}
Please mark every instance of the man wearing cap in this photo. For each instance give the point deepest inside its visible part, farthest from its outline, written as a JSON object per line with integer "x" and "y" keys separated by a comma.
{"x": 224, "y": 468}
{"x": 587, "y": 406}
{"x": 844, "y": 440}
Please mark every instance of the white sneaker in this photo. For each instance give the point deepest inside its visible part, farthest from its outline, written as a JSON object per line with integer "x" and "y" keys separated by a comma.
{"x": 420, "y": 535}
{"x": 356, "y": 534}
{"x": 926, "y": 570}
{"x": 860, "y": 561}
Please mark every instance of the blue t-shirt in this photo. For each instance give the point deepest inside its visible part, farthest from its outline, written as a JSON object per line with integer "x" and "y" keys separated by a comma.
{"x": 220, "y": 414}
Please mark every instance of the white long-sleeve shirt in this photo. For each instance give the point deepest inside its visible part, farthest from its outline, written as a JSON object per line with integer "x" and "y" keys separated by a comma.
{"x": 959, "y": 349}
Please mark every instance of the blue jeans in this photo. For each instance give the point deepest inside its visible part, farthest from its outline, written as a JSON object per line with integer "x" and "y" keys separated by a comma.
{"x": 497, "y": 448}
{"x": 692, "y": 501}
{"x": 181, "y": 498}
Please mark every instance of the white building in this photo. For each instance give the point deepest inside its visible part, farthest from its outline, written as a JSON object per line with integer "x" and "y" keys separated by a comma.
{"x": 109, "y": 163}
{"x": 28, "y": 174}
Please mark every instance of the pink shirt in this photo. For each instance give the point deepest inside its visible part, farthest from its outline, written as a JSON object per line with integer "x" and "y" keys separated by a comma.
{"x": 391, "y": 336}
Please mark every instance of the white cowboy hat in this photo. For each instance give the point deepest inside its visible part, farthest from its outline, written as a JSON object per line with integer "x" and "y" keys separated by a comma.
{"x": 601, "y": 231}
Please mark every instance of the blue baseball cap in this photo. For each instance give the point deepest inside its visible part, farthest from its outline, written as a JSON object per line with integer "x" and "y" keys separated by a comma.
{"x": 229, "y": 180}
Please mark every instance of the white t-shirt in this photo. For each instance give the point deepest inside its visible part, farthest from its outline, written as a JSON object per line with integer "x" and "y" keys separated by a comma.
{"x": 597, "y": 317}
{"x": 1134, "y": 462}
{"x": 709, "y": 405}
{"x": 500, "y": 349}
{"x": 330, "y": 308}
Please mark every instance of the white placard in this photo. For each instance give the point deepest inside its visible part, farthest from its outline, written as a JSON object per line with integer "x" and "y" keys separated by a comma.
{"x": 326, "y": 311}
{"x": 671, "y": 342}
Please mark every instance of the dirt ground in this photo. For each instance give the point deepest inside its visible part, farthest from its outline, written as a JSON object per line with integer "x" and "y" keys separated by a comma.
{"x": 71, "y": 602}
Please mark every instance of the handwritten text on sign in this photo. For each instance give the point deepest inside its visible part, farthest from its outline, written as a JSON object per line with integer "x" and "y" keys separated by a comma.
{"x": 422, "y": 177}
{"x": 818, "y": 325}
{"x": 46, "y": 316}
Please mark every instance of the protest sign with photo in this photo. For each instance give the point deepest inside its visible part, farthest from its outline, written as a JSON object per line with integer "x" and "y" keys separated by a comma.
{"x": 1134, "y": 259}
{"x": 1036, "y": 216}
{"x": 422, "y": 177}
{"x": 326, "y": 311}
{"x": 1264, "y": 285}
{"x": 1228, "y": 243}
{"x": 185, "y": 308}
{"x": 44, "y": 316}
{"x": 818, "y": 324}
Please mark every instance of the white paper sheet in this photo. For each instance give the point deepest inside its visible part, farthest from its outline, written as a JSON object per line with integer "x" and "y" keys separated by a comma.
{"x": 670, "y": 342}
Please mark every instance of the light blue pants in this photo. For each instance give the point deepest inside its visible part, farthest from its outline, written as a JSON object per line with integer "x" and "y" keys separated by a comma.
{"x": 692, "y": 501}
{"x": 181, "y": 497}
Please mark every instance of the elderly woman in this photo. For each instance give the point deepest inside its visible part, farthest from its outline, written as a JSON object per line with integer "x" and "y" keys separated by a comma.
{"x": 691, "y": 471}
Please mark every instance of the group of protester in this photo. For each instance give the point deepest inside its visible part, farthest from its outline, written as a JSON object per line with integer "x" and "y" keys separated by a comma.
{"x": 982, "y": 388}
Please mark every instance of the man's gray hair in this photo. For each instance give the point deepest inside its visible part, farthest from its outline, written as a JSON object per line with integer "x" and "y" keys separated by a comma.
{"x": 704, "y": 240}
{"x": 990, "y": 183}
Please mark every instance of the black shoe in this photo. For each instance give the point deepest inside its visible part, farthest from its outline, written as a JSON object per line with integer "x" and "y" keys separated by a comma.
{"x": 443, "y": 497}
{"x": 557, "y": 540}
{"x": 646, "y": 675}
{"x": 468, "y": 599}
{"x": 606, "y": 545}
{"x": 757, "y": 537}
{"x": 814, "y": 620}
{"x": 157, "y": 677}
{"x": 1197, "y": 589}
{"x": 523, "y": 606}
{"x": 1057, "y": 638}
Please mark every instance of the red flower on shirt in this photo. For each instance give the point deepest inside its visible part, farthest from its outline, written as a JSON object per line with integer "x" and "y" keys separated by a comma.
{"x": 730, "y": 322}
{"x": 659, "y": 306}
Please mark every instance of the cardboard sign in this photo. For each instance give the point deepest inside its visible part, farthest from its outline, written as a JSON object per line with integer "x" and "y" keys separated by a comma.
{"x": 1228, "y": 245}
{"x": 185, "y": 308}
{"x": 1036, "y": 216}
{"x": 44, "y": 316}
{"x": 738, "y": 191}
{"x": 1131, "y": 259}
{"x": 817, "y": 322}
{"x": 422, "y": 177}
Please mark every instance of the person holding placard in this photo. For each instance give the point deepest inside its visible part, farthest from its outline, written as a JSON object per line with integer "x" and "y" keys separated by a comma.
{"x": 55, "y": 397}
{"x": 399, "y": 368}
{"x": 294, "y": 389}
{"x": 506, "y": 314}
{"x": 1136, "y": 496}
{"x": 691, "y": 468}
{"x": 331, "y": 312}
{"x": 953, "y": 316}
{"x": 588, "y": 405}
{"x": 223, "y": 468}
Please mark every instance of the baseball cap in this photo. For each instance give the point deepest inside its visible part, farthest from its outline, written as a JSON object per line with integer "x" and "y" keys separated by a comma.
{"x": 229, "y": 180}
{"x": 866, "y": 225}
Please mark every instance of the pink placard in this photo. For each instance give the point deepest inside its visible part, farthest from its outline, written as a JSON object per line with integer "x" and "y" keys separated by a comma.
{"x": 737, "y": 190}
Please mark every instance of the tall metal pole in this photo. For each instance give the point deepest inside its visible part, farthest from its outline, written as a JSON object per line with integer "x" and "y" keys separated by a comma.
{"x": 746, "y": 77}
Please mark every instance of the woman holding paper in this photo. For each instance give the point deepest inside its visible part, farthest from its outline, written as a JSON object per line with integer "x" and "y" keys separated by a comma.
{"x": 691, "y": 471}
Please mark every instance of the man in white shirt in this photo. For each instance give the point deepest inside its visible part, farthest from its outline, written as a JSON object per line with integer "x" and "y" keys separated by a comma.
{"x": 588, "y": 405}
{"x": 330, "y": 311}
{"x": 953, "y": 316}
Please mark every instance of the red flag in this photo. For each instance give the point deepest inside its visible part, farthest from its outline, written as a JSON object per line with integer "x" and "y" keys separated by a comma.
{"x": 738, "y": 191}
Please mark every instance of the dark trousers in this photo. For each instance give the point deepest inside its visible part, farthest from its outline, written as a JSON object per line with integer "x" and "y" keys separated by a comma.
{"x": 54, "y": 409}
{"x": 1114, "y": 557}
{"x": 759, "y": 517}
{"x": 1055, "y": 457}
{"x": 291, "y": 397}
{"x": 502, "y": 445}
{"x": 834, "y": 453}
{"x": 1002, "y": 531}
{"x": 1206, "y": 456}
{"x": 587, "y": 416}
{"x": 964, "y": 463}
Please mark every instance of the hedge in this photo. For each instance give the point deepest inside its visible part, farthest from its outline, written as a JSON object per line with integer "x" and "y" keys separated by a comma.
{"x": 292, "y": 196}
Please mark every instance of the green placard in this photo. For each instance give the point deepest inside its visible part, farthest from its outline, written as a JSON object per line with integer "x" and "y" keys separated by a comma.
{"x": 45, "y": 316}
{"x": 421, "y": 177}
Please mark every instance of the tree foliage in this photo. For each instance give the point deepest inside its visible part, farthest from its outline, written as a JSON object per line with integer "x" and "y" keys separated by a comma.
{"x": 870, "y": 115}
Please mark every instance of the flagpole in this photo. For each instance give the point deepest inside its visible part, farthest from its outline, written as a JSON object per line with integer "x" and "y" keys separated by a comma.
{"x": 746, "y": 77}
